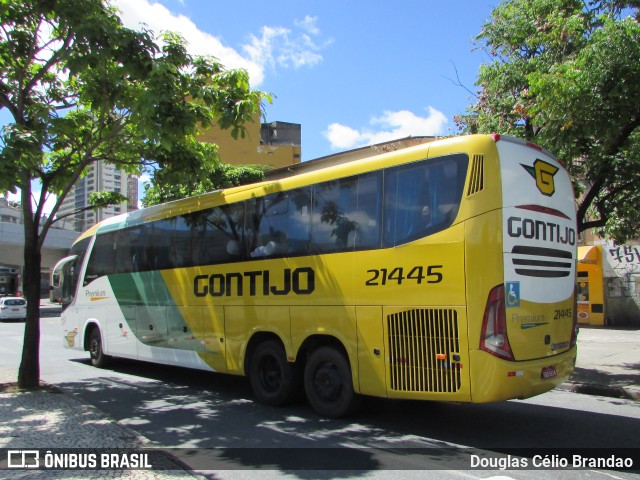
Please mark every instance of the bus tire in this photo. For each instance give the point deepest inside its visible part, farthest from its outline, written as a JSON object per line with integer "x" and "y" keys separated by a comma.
{"x": 97, "y": 355}
{"x": 273, "y": 379}
{"x": 328, "y": 383}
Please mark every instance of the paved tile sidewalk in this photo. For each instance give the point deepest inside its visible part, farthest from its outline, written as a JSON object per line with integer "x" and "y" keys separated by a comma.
{"x": 49, "y": 418}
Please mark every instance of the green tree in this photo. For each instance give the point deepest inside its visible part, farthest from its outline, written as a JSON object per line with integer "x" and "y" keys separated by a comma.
{"x": 81, "y": 88}
{"x": 220, "y": 175}
{"x": 566, "y": 75}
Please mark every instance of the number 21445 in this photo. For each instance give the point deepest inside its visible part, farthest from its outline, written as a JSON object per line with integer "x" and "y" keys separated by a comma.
{"x": 398, "y": 275}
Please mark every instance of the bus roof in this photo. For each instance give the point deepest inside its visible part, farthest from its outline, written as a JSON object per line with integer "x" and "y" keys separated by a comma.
{"x": 347, "y": 156}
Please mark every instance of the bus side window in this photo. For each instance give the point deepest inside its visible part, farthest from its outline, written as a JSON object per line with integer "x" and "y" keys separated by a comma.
{"x": 278, "y": 224}
{"x": 333, "y": 226}
{"x": 346, "y": 214}
{"x": 422, "y": 198}
{"x": 181, "y": 242}
{"x": 222, "y": 235}
{"x": 158, "y": 235}
{"x": 368, "y": 211}
{"x": 103, "y": 257}
{"x": 131, "y": 254}
{"x": 70, "y": 283}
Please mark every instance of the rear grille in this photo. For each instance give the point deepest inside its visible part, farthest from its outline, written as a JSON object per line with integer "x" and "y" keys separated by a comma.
{"x": 423, "y": 346}
{"x": 542, "y": 262}
{"x": 476, "y": 179}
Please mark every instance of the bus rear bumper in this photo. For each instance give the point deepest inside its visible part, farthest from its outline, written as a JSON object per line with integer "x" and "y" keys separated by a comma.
{"x": 493, "y": 379}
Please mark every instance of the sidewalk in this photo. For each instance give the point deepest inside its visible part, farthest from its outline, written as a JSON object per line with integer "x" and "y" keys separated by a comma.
{"x": 50, "y": 418}
{"x": 608, "y": 365}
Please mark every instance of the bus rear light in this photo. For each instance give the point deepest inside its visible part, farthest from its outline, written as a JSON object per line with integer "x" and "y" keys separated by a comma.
{"x": 493, "y": 337}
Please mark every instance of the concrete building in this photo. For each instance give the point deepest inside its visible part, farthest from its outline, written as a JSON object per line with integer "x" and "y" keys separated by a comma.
{"x": 276, "y": 144}
{"x": 55, "y": 247}
{"x": 101, "y": 177}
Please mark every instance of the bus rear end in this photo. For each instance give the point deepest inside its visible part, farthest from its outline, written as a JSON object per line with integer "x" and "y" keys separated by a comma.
{"x": 527, "y": 336}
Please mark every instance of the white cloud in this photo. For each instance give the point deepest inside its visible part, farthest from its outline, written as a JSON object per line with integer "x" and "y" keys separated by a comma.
{"x": 389, "y": 126}
{"x": 342, "y": 137}
{"x": 308, "y": 23}
{"x": 282, "y": 47}
{"x": 159, "y": 19}
{"x": 273, "y": 47}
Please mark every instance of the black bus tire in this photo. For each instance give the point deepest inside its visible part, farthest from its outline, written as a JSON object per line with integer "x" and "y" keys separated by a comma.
{"x": 97, "y": 355}
{"x": 328, "y": 383}
{"x": 273, "y": 379}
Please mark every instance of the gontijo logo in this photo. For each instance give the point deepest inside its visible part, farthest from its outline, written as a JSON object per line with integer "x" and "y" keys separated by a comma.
{"x": 543, "y": 173}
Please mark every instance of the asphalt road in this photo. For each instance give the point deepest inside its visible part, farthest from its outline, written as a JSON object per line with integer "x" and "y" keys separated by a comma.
{"x": 174, "y": 407}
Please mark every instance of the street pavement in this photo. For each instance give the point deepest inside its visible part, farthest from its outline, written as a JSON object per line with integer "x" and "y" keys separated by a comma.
{"x": 608, "y": 364}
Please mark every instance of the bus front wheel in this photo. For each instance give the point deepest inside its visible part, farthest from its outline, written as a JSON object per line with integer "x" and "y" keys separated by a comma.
{"x": 273, "y": 379}
{"x": 328, "y": 383}
{"x": 98, "y": 358}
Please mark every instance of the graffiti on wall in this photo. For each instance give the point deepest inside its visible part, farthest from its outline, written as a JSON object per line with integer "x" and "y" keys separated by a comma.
{"x": 625, "y": 261}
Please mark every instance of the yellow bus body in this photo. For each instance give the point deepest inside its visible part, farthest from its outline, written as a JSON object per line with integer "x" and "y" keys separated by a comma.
{"x": 413, "y": 319}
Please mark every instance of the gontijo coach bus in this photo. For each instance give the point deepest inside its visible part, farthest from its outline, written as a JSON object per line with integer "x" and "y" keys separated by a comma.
{"x": 444, "y": 271}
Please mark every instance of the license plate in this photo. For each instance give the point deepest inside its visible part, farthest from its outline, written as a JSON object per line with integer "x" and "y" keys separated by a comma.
{"x": 549, "y": 372}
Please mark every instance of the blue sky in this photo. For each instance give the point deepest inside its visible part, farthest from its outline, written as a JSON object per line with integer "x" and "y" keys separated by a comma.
{"x": 351, "y": 73}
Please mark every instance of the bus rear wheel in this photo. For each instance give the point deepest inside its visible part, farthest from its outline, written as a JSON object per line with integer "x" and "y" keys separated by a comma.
{"x": 273, "y": 379}
{"x": 328, "y": 383}
{"x": 97, "y": 355}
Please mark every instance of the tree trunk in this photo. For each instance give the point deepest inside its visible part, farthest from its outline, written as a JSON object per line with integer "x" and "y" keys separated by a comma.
{"x": 29, "y": 371}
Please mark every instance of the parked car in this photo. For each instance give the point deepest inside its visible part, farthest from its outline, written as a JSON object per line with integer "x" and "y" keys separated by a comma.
{"x": 13, "y": 308}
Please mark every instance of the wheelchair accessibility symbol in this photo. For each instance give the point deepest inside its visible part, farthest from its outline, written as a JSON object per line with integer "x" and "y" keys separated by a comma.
{"x": 513, "y": 294}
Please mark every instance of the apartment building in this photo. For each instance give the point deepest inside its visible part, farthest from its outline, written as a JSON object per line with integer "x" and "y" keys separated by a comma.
{"x": 101, "y": 177}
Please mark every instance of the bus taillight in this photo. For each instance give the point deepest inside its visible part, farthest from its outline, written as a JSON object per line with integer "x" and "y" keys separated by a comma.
{"x": 493, "y": 337}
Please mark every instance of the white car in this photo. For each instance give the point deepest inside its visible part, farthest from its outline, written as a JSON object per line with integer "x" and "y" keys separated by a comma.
{"x": 13, "y": 308}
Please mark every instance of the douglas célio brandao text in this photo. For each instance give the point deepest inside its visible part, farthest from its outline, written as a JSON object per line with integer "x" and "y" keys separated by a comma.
{"x": 576, "y": 461}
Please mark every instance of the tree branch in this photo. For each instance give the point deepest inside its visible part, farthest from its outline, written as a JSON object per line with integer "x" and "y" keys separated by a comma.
{"x": 458, "y": 82}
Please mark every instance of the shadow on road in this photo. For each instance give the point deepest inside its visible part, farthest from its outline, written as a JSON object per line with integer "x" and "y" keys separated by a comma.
{"x": 190, "y": 409}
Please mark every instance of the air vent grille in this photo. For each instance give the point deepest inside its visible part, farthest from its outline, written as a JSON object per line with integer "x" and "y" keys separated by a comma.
{"x": 424, "y": 351}
{"x": 476, "y": 181}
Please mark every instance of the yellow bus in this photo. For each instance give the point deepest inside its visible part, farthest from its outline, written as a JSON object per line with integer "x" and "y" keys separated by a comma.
{"x": 590, "y": 286}
{"x": 443, "y": 271}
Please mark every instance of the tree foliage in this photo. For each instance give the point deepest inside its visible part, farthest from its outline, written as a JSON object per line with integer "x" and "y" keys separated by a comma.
{"x": 221, "y": 175}
{"x": 82, "y": 88}
{"x": 566, "y": 75}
